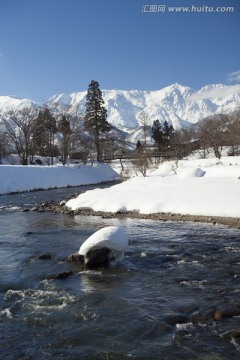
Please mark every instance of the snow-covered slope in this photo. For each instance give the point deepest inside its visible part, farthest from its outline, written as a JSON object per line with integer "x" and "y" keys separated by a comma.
{"x": 179, "y": 105}
{"x": 10, "y": 103}
{"x": 25, "y": 178}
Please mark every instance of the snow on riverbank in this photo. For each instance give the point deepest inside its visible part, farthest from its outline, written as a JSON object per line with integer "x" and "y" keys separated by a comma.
{"x": 208, "y": 187}
{"x": 24, "y": 178}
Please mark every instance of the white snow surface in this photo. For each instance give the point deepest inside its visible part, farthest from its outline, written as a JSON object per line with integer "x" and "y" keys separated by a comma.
{"x": 208, "y": 187}
{"x": 17, "y": 178}
{"x": 110, "y": 237}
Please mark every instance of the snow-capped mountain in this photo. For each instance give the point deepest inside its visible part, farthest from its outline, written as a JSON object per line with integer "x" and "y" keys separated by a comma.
{"x": 177, "y": 104}
{"x": 12, "y": 103}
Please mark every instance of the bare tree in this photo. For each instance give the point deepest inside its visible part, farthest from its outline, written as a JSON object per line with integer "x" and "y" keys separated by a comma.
{"x": 3, "y": 146}
{"x": 69, "y": 126}
{"x": 233, "y": 133}
{"x": 212, "y": 132}
{"x": 20, "y": 130}
{"x": 143, "y": 161}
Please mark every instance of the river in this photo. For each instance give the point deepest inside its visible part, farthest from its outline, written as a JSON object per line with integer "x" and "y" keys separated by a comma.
{"x": 175, "y": 295}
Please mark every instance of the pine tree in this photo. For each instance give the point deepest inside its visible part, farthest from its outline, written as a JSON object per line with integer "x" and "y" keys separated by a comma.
{"x": 157, "y": 134}
{"x": 167, "y": 132}
{"x": 139, "y": 146}
{"x": 161, "y": 135}
{"x": 95, "y": 116}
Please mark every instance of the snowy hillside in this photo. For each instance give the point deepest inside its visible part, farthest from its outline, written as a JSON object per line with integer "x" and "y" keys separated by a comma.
{"x": 9, "y": 103}
{"x": 179, "y": 105}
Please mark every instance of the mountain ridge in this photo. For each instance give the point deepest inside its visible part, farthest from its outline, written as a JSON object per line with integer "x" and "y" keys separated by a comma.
{"x": 180, "y": 105}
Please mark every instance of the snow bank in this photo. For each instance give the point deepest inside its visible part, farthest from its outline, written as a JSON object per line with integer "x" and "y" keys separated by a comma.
{"x": 195, "y": 187}
{"x": 25, "y": 178}
{"x": 110, "y": 237}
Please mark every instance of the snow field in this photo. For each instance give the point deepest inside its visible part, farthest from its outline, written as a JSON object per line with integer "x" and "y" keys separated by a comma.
{"x": 196, "y": 187}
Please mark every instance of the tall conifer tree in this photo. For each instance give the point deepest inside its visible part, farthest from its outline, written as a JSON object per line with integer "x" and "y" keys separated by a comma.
{"x": 96, "y": 116}
{"x": 157, "y": 134}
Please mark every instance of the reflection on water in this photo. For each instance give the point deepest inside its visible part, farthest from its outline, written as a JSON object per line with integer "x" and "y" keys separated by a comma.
{"x": 174, "y": 296}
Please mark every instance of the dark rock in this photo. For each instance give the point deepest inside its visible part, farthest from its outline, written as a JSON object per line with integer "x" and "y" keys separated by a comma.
{"x": 201, "y": 317}
{"x": 44, "y": 204}
{"x": 218, "y": 315}
{"x": 232, "y": 334}
{"x": 97, "y": 257}
{"x": 176, "y": 319}
{"x": 61, "y": 276}
{"x": 226, "y": 313}
{"x": 25, "y": 210}
{"x": 76, "y": 258}
{"x": 44, "y": 257}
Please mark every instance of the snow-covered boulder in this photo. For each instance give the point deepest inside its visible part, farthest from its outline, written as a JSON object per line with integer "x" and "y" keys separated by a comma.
{"x": 190, "y": 171}
{"x": 108, "y": 243}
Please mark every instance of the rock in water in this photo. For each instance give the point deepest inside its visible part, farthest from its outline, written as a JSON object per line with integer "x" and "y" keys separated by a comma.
{"x": 76, "y": 258}
{"x": 97, "y": 257}
{"x": 105, "y": 244}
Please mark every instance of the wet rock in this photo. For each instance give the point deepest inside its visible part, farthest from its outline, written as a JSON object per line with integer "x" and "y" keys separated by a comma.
{"x": 43, "y": 204}
{"x": 226, "y": 312}
{"x": 25, "y": 210}
{"x": 72, "y": 196}
{"x": 44, "y": 257}
{"x": 61, "y": 276}
{"x": 218, "y": 315}
{"x": 188, "y": 308}
{"x": 93, "y": 259}
{"x": 202, "y": 317}
{"x": 155, "y": 331}
{"x": 76, "y": 258}
{"x": 97, "y": 257}
{"x": 176, "y": 319}
{"x": 232, "y": 334}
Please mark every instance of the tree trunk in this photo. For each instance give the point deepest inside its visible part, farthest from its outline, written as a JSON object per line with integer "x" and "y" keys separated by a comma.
{"x": 98, "y": 148}
{"x": 217, "y": 153}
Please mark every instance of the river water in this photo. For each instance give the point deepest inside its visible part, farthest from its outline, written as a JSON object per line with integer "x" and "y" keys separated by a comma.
{"x": 176, "y": 294}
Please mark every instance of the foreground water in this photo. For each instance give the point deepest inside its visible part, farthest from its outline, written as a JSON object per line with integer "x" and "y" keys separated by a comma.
{"x": 174, "y": 296}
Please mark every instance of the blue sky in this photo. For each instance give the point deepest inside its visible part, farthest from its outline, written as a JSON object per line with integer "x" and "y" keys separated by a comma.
{"x": 59, "y": 46}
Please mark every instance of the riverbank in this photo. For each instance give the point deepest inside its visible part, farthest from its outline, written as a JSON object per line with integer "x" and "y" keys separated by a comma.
{"x": 18, "y": 178}
{"x": 215, "y": 220}
{"x": 194, "y": 188}
{"x": 199, "y": 190}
